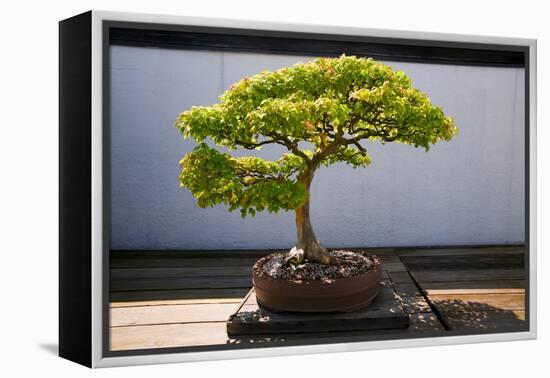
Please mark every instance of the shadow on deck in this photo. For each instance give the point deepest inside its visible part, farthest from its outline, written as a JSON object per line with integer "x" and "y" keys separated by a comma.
{"x": 176, "y": 298}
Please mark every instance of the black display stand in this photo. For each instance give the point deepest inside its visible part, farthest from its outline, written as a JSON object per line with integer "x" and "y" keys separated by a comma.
{"x": 386, "y": 312}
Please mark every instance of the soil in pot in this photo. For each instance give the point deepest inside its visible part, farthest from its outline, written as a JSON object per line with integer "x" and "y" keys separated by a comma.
{"x": 350, "y": 284}
{"x": 350, "y": 264}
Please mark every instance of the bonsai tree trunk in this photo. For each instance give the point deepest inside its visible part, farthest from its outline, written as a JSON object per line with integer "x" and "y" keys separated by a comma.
{"x": 307, "y": 245}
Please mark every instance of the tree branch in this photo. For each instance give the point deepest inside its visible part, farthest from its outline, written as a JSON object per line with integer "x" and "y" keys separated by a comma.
{"x": 247, "y": 178}
{"x": 292, "y": 146}
{"x": 359, "y": 147}
{"x": 251, "y": 146}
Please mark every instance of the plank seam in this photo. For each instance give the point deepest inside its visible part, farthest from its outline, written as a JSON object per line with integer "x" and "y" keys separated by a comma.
{"x": 170, "y": 323}
{"x": 427, "y": 299}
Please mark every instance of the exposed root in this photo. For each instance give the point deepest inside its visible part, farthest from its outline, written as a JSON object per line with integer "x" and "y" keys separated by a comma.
{"x": 313, "y": 252}
{"x": 320, "y": 255}
{"x": 294, "y": 257}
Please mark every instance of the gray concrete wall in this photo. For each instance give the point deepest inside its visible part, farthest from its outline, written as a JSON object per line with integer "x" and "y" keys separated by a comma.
{"x": 468, "y": 191}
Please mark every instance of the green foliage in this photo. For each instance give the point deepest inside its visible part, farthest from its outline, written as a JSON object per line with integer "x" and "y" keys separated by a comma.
{"x": 249, "y": 183}
{"x": 333, "y": 104}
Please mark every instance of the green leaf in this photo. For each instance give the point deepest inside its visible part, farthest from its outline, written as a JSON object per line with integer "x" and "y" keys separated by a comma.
{"x": 331, "y": 103}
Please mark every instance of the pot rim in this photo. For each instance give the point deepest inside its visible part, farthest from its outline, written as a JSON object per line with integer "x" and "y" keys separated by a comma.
{"x": 373, "y": 270}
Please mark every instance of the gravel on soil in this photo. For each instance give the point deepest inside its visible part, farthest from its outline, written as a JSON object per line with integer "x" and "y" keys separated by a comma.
{"x": 349, "y": 264}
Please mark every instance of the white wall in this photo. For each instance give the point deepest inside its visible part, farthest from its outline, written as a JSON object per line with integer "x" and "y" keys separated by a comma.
{"x": 467, "y": 191}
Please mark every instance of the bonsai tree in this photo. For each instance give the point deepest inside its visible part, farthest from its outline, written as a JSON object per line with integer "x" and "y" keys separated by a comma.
{"x": 321, "y": 112}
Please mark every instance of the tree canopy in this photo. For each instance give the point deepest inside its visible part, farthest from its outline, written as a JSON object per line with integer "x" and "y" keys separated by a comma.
{"x": 333, "y": 104}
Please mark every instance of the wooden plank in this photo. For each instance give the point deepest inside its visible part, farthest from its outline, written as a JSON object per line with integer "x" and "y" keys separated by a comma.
{"x": 167, "y": 335}
{"x": 473, "y": 289}
{"x": 375, "y": 250}
{"x": 190, "y": 254}
{"x": 170, "y": 314}
{"x": 468, "y": 275}
{"x": 406, "y": 290}
{"x": 180, "y": 283}
{"x": 464, "y": 258}
{"x": 196, "y": 334}
{"x": 179, "y": 262}
{"x": 389, "y": 259}
{"x": 174, "y": 302}
{"x": 381, "y": 252}
{"x": 387, "y": 292}
{"x": 394, "y": 267}
{"x": 184, "y": 294}
{"x": 485, "y": 285}
{"x": 520, "y": 314}
{"x": 436, "y": 292}
{"x": 415, "y": 305}
{"x": 474, "y": 302}
{"x": 144, "y": 273}
{"x": 466, "y": 251}
{"x": 485, "y": 320}
{"x": 174, "y": 259}
{"x": 401, "y": 277}
{"x": 231, "y": 253}
{"x": 499, "y": 261}
{"x": 425, "y": 322}
{"x": 193, "y": 334}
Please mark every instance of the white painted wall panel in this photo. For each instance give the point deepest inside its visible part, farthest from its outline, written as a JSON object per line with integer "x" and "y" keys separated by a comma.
{"x": 467, "y": 191}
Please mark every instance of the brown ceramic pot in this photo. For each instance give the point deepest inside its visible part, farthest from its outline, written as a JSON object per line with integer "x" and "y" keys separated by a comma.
{"x": 338, "y": 295}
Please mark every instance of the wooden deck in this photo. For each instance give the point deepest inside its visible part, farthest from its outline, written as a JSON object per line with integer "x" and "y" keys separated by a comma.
{"x": 178, "y": 299}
